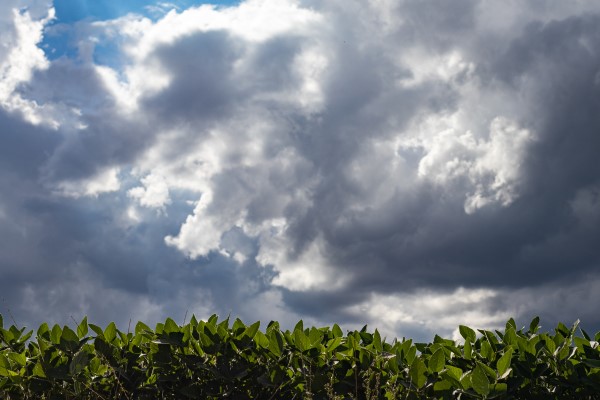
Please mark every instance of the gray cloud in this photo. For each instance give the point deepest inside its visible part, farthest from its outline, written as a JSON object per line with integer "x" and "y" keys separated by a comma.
{"x": 350, "y": 163}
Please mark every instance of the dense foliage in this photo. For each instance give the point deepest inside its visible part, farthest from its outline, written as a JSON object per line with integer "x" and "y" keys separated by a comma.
{"x": 212, "y": 359}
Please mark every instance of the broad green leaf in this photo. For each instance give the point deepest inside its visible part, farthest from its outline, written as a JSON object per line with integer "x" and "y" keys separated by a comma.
{"x": 212, "y": 320}
{"x": 96, "y": 329}
{"x": 581, "y": 343}
{"x": 300, "y": 340}
{"x": 479, "y": 381}
{"x": 405, "y": 346}
{"x": 337, "y": 331}
{"x": 411, "y": 354}
{"x": 511, "y": 324}
{"x": 261, "y": 339}
{"x": 19, "y": 358}
{"x": 333, "y": 344}
{"x": 110, "y": 333}
{"x": 224, "y": 324}
{"x": 491, "y": 373}
{"x": 467, "y": 333}
{"x": 55, "y": 334}
{"x": 505, "y": 361}
{"x": 4, "y": 363}
{"x": 171, "y": 326}
{"x": 562, "y": 329}
{"x": 510, "y": 336}
{"x": 499, "y": 388}
{"x": 238, "y": 326}
{"x": 437, "y": 361}
{"x": 38, "y": 370}
{"x": 299, "y": 326}
{"x": 454, "y": 372}
{"x": 443, "y": 385}
{"x": 486, "y": 351}
{"x": 550, "y": 345}
{"x": 392, "y": 363}
{"x": 43, "y": 330}
{"x": 68, "y": 335}
{"x": 252, "y": 329}
{"x": 377, "y": 341}
{"x": 79, "y": 362}
{"x": 140, "y": 327}
{"x": 68, "y": 340}
{"x": 418, "y": 373}
{"x": 315, "y": 337}
{"x": 534, "y": 325}
{"x": 467, "y": 350}
{"x": 273, "y": 325}
{"x": 275, "y": 343}
{"x": 82, "y": 328}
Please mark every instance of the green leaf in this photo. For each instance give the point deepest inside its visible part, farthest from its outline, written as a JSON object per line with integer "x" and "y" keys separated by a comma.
{"x": 43, "y": 330}
{"x": 55, "y": 334}
{"x": 80, "y": 361}
{"x": 467, "y": 350}
{"x": 411, "y": 354}
{"x": 443, "y": 385}
{"x": 437, "y": 361}
{"x": 480, "y": 381}
{"x": 68, "y": 340}
{"x": 467, "y": 333}
{"x": 300, "y": 340}
{"x": 110, "y": 333}
{"x": 315, "y": 337}
{"x": 511, "y": 324}
{"x": 377, "y": 341}
{"x": 486, "y": 351}
{"x": 252, "y": 329}
{"x": 261, "y": 339}
{"x": 68, "y": 335}
{"x": 337, "y": 331}
{"x": 212, "y": 320}
{"x": 418, "y": 372}
{"x": 171, "y": 326}
{"x": 505, "y": 361}
{"x": 97, "y": 330}
{"x": 333, "y": 344}
{"x": 140, "y": 327}
{"x": 454, "y": 372}
{"x": 38, "y": 370}
{"x": 275, "y": 343}
{"x": 82, "y": 328}
{"x": 299, "y": 326}
{"x": 19, "y": 358}
{"x": 534, "y": 325}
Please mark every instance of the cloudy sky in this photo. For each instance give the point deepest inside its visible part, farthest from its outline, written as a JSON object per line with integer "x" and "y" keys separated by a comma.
{"x": 411, "y": 165}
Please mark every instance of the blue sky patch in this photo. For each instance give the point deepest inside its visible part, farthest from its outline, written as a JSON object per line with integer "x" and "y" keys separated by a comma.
{"x": 60, "y": 39}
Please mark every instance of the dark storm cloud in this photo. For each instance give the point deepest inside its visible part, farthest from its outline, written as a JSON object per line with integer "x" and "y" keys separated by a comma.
{"x": 201, "y": 67}
{"x": 321, "y": 172}
{"x": 430, "y": 241}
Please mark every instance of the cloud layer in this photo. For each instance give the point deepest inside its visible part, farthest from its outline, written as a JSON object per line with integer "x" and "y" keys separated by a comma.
{"x": 412, "y": 165}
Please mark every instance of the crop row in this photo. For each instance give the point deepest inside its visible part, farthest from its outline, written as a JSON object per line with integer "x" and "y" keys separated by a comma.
{"x": 216, "y": 359}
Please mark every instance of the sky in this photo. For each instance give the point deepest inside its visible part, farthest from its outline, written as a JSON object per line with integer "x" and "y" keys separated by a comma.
{"x": 410, "y": 165}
